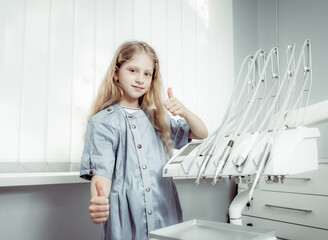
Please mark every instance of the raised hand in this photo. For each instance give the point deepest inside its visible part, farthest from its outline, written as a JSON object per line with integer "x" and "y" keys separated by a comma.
{"x": 173, "y": 105}
{"x": 99, "y": 205}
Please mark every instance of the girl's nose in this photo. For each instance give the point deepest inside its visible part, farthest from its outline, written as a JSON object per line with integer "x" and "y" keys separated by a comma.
{"x": 139, "y": 79}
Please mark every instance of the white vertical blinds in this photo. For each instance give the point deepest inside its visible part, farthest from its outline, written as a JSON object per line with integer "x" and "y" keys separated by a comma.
{"x": 54, "y": 54}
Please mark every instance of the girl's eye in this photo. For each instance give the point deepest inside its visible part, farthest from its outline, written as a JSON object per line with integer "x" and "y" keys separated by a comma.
{"x": 132, "y": 70}
{"x": 148, "y": 74}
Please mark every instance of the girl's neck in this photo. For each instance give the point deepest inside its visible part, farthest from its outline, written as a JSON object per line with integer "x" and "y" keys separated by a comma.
{"x": 133, "y": 105}
{"x": 131, "y": 108}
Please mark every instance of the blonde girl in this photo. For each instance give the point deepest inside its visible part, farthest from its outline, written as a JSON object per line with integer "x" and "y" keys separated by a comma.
{"x": 129, "y": 137}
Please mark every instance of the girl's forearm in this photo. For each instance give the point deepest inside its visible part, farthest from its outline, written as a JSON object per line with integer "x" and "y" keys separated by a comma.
{"x": 198, "y": 129}
{"x": 105, "y": 182}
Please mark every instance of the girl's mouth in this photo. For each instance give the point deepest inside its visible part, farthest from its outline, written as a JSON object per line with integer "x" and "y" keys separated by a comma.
{"x": 138, "y": 88}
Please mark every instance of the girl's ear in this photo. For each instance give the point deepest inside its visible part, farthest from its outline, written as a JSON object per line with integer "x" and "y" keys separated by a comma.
{"x": 116, "y": 74}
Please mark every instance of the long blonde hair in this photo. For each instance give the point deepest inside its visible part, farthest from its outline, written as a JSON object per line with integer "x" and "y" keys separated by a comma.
{"x": 110, "y": 92}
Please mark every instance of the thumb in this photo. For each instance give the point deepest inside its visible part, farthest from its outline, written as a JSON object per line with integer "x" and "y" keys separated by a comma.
{"x": 100, "y": 189}
{"x": 169, "y": 92}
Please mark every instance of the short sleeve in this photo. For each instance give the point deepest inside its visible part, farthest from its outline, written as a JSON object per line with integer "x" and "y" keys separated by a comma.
{"x": 99, "y": 151}
{"x": 179, "y": 132}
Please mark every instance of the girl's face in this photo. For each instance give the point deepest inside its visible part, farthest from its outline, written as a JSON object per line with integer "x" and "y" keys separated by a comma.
{"x": 135, "y": 77}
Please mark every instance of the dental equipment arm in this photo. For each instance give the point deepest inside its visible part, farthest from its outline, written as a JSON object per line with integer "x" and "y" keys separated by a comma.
{"x": 222, "y": 161}
{"x": 231, "y": 106}
{"x": 279, "y": 126}
{"x": 210, "y": 146}
{"x": 214, "y": 138}
{"x": 241, "y": 159}
{"x": 243, "y": 156}
{"x": 226, "y": 153}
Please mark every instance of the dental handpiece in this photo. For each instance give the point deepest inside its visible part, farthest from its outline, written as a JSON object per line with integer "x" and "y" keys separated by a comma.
{"x": 222, "y": 161}
{"x": 263, "y": 161}
{"x": 202, "y": 168}
{"x": 244, "y": 154}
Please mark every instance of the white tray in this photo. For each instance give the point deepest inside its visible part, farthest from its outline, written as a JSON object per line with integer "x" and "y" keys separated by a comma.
{"x": 208, "y": 230}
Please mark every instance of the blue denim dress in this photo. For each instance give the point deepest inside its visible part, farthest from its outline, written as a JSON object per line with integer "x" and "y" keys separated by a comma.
{"x": 125, "y": 148}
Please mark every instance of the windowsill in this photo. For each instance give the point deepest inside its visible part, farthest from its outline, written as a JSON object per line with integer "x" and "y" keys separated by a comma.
{"x": 14, "y": 174}
{"x": 40, "y": 178}
{"x": 46, "y": 178}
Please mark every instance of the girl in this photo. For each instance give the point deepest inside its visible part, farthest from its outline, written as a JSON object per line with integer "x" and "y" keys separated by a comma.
{"x": 129, "y": 137}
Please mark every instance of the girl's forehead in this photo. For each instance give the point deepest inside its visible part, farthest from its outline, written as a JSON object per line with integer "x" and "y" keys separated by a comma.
{"x": 142, "y": 59}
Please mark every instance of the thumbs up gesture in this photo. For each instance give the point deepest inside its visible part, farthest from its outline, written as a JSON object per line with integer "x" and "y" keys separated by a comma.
{"x": 173, "y": 105}
{"x": 99, "y": 205}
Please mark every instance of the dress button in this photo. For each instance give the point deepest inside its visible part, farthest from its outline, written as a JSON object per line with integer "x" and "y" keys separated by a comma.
{"x": 148, "y": 189}
{"x": 130, "y": 116}
{"x": 91, "y": 172}
{"x": 139, "y": 146}
{"x": 108, "y": 110}
{"x": 150, "y": 212}
{"x": 144, "y": 167}
{"x": 133, "y": 126}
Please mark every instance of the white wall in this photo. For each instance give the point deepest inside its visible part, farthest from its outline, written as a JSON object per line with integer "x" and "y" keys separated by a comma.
{"x": 245, "y": 30}
{"x": 300, "y": 20}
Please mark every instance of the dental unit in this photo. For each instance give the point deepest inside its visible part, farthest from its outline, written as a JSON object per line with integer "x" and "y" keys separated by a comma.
{"x": 266, "y": 129}
{"x": 245, "y": 197}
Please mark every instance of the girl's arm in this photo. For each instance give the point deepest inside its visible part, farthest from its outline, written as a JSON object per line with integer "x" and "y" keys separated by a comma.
{"x": 105, "y": 182}
{"x": 99, "y": 203}
{"x": 198, "y": 129}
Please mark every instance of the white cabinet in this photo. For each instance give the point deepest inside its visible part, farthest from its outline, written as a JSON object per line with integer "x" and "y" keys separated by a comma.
{"x": 285, "y": 230}
{"x": 295, "y": 209}
{"x": 312, "y": 182}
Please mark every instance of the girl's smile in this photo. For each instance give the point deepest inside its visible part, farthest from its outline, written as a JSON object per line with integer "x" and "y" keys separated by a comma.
{"x": 138, "y": 88}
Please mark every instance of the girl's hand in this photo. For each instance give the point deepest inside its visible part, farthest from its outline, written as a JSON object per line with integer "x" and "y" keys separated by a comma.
{"x": 198, "y": 129}
{"x": 99, "y": 206}
{"x": 173, "y": 105}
